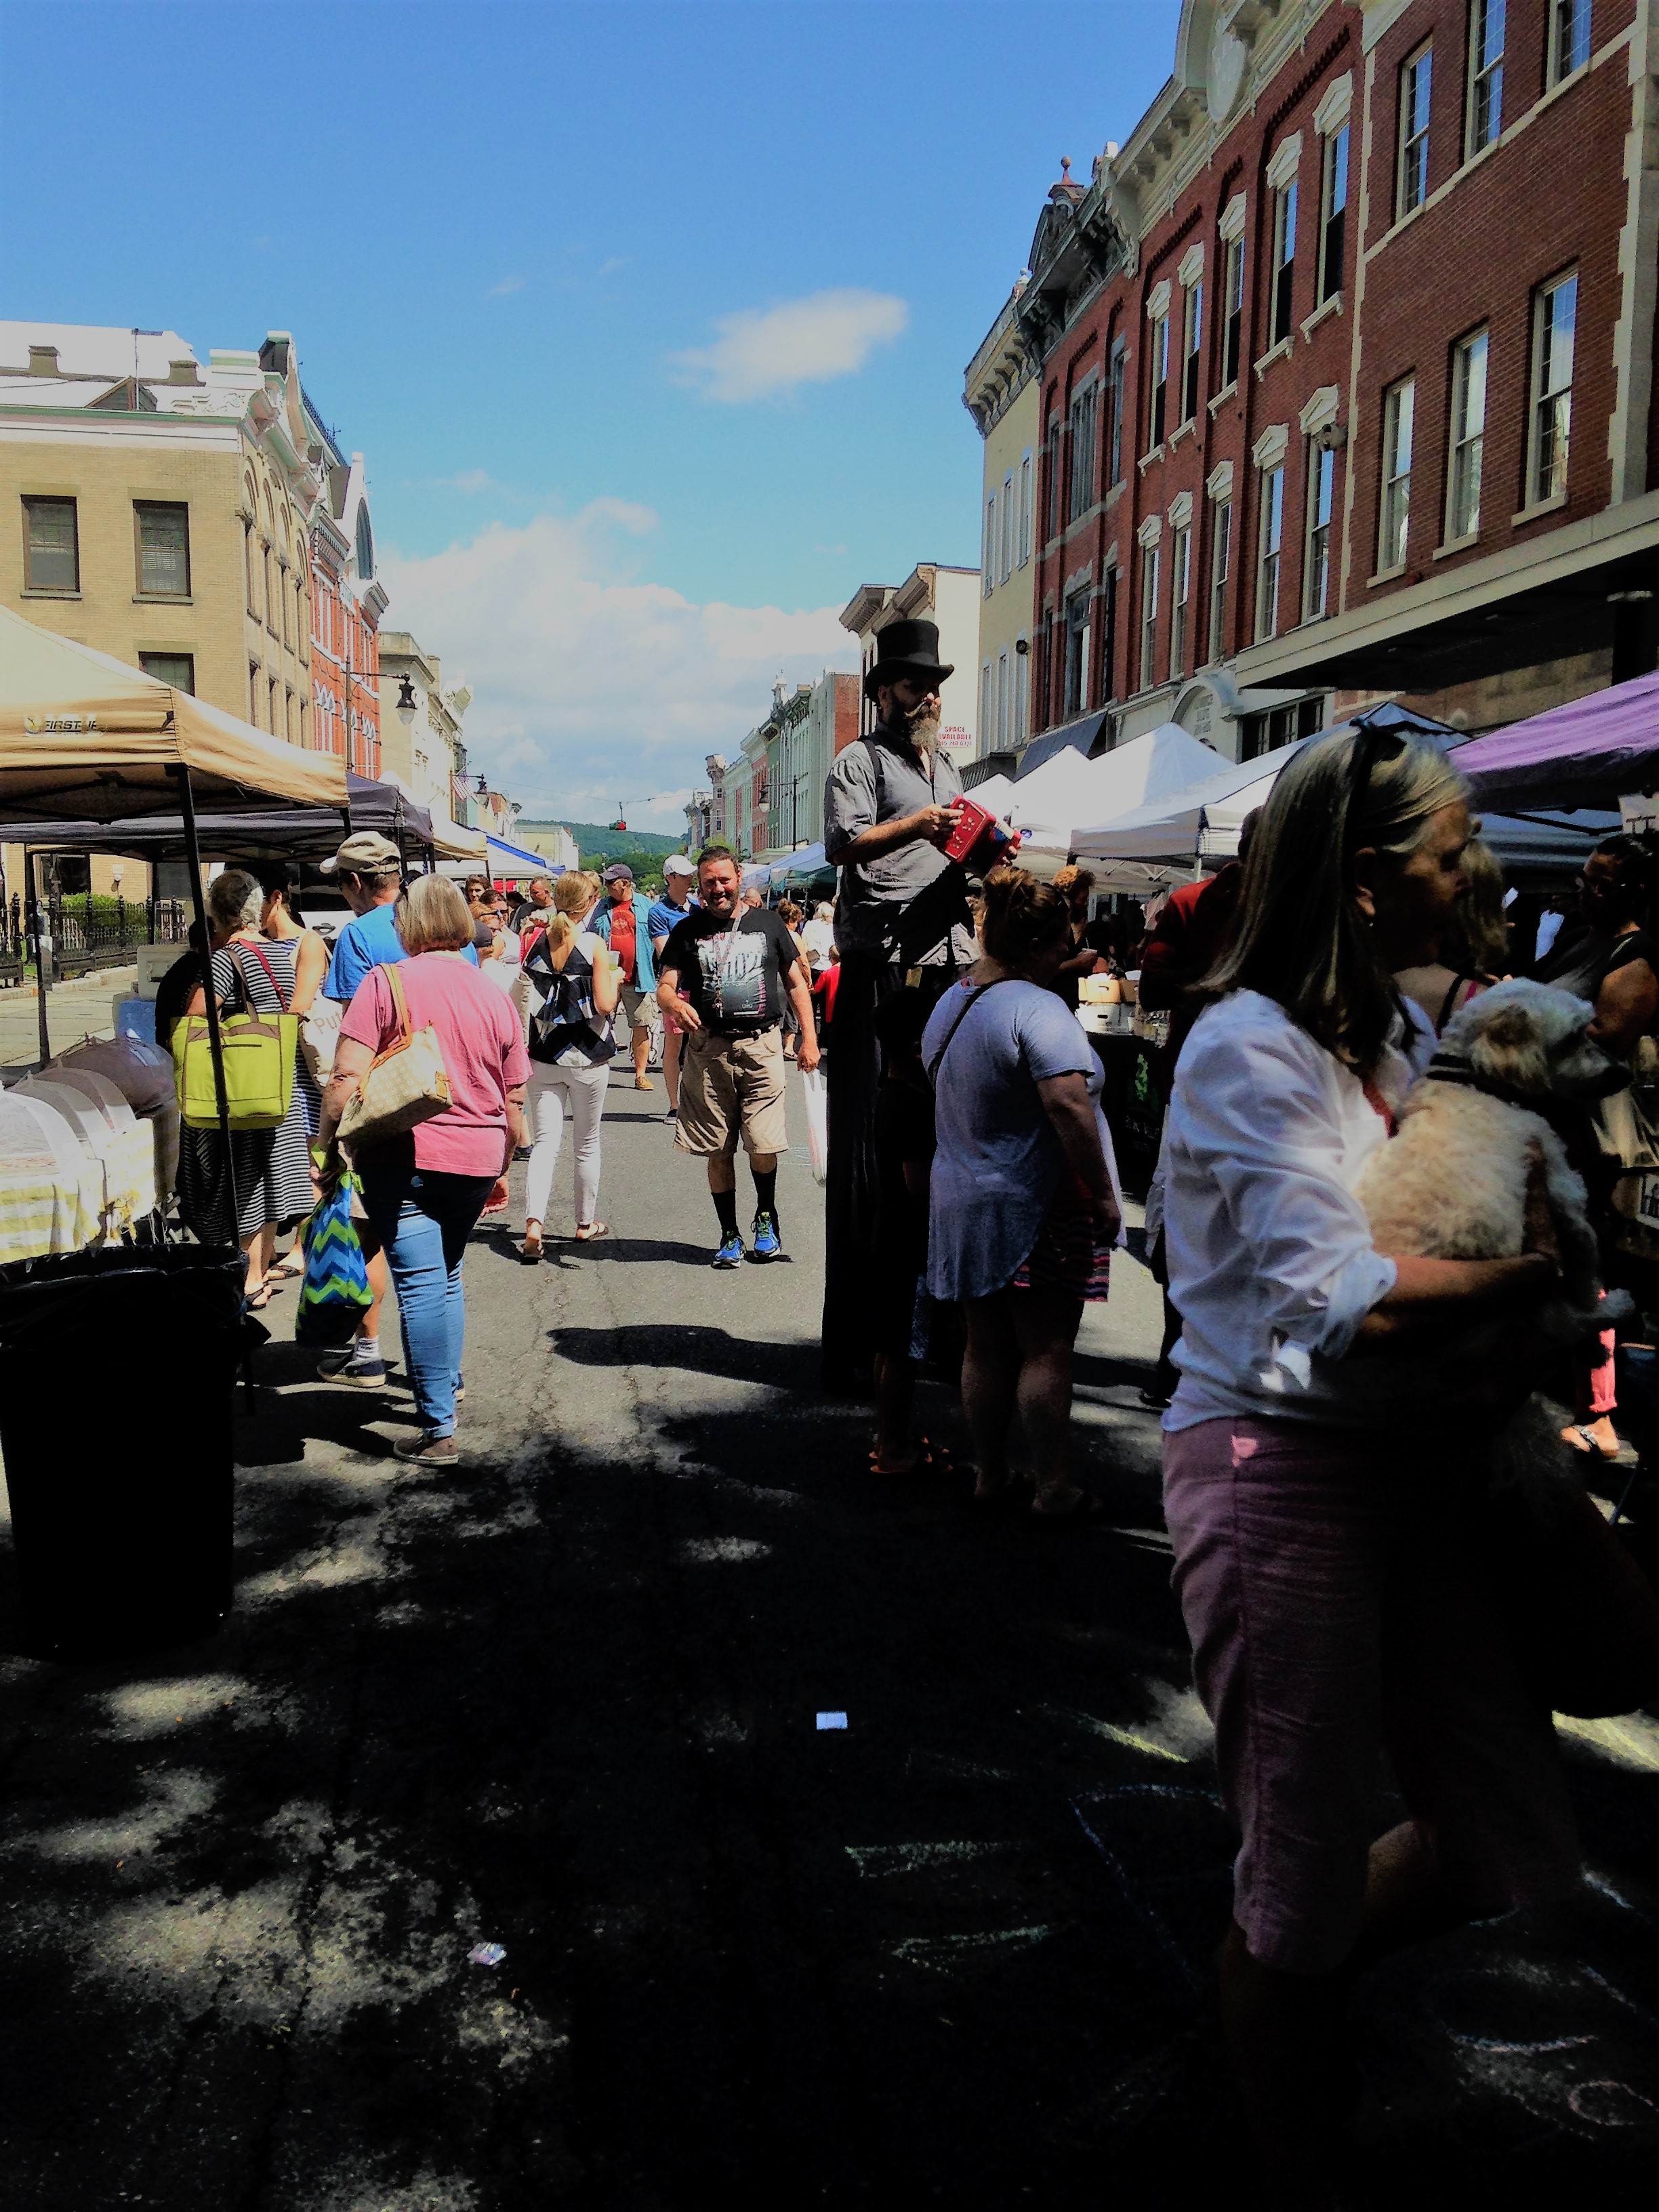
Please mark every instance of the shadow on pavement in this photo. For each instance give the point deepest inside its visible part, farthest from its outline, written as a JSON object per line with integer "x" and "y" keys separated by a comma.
{"x": 707, "y": 1351}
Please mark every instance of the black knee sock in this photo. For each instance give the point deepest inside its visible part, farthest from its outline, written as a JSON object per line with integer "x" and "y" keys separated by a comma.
{"x": 766, "y": 1195}
{"x": 725, "y": 1204}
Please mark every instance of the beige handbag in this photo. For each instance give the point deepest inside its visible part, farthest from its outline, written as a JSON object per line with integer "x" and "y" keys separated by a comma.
{"x": 407, "y": 1084}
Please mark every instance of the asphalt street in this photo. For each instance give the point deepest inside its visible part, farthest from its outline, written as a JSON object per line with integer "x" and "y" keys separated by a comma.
{"x": 565, "y": 1700}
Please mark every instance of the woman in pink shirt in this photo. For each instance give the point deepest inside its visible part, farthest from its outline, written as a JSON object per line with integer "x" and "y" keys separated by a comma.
{"x": 424, "y": 1190}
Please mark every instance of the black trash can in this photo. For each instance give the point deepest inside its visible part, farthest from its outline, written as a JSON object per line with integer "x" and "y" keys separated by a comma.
{"x": 117, "y": 1370}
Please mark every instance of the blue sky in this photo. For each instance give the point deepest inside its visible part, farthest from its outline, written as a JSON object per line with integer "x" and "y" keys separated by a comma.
{"x": 650, "y": 320}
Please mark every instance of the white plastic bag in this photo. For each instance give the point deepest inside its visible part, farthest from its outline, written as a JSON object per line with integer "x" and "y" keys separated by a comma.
{"x": 818, "y": 1126}
{"x": 319, "y": 1032}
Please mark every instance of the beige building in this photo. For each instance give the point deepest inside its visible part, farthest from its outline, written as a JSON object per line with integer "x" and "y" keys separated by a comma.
{"x": 427, "y": 754}
{"x": 930, "y": 593}
{"x": 1001, "y": 391}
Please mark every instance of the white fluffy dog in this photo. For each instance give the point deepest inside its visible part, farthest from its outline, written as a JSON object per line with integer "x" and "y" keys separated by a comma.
{"x": 1452, "y": 1185}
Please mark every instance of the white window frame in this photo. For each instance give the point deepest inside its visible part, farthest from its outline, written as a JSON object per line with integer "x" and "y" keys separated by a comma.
{"x": 1411, "y": 174}
{"x": 1269, "y": 551}
{"x": 1002, "y": 700}
{"x": 985, "y": 705}
{"x": 1232, "y": 319}
{"x": 1181, "y": 589}
{"x": 988, "y": 559}
{"x": 1394, "y": 499}
{"x": 1284, "y": 270}
{"x": 1026, "y": 471}
{"x": 1322, "y": 513}
{"x": 1221, "y": 552}
{"x": 1335, "y": 157}
{"x": 1158, "y": 371}
{"x": 1549, "y": 428}
{"x": 1192, "y": 350}
{"x": 1007, "y": 568}
{"x": 1483, "y": 120}
{"x": 1467, "y": 435}
{"x": 1569, "y": 40}
{"x": 1022, "y": 697}
{"x": 1150, "y": 571}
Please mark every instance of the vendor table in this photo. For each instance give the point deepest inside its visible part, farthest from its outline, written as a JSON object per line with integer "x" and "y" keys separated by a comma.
{"x": 1136, "y": 1091}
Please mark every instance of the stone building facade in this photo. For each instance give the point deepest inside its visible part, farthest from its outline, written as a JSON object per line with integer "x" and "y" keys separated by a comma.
{"x": 428, "y": 755}
{"x": 1346, "y": 373}
{"x": 1001, "y": 390}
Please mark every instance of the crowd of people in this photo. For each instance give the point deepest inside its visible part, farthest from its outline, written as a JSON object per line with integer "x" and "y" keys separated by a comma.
{"x": 1328, "y": 1560}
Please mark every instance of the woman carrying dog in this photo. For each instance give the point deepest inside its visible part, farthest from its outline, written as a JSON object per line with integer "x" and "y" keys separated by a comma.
{"x": 1333, "y": 1612}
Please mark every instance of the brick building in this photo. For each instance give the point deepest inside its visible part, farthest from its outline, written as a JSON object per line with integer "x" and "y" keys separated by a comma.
{"x": 349, "y": 603}
{"x": 1347, "y": 371}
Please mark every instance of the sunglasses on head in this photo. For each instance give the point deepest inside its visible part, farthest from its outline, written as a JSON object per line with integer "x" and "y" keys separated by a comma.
{"x": 1374, "y": 745}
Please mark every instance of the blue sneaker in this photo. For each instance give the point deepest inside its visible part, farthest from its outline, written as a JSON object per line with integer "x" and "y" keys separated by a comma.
{"x": 768, "y": 1245}
{"x": 731, "y": 1252}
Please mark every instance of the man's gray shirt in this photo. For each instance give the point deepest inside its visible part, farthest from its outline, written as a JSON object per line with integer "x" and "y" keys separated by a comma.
{"x": 858, "y": 794}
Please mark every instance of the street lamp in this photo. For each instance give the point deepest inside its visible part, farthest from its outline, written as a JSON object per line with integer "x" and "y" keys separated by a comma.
{"x": 406, "y": 707}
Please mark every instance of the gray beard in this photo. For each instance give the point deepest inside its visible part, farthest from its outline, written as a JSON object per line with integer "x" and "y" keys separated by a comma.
{"x": 924, "y": 734}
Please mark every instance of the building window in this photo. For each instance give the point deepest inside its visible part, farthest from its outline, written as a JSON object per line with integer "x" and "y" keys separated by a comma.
{"x": 1024, "y": 509}
{"x": 1283, "y": 725}
{"x": 985, "y": 705}
{"x": 176, "y": 669}
{"x": 1555, "y": 312}
{"x": 1269, "y": 541}
{"x": 1007, "y": 527}
{"x": 1022, "y": 727}
{"x": 1193, "y": 341}
{"x": 1053, "y": 529}
{"x": 1114, "y": 374}
{"x": 273, "y": 725}
{"x": 1284, "y": 259}
{"x": 1416, "y": 82}
{"x": 1234, "y": 297}
{"x": 1221, "y": 552}
{"x": 1569, "y": 38}
{"x": 1399, "y": 406}
{"x": 270, "y": 609}
{"x": 253, "y": 693}
{"x": 1077, "y": 651}
{"x": 1082, "y": 450}
{"x": 52, "y": 545}
{"x": 1002, "y": 700}
{"x": 989, "y": 557}
{"x": 1468, "y": 426}
{"x": 1180, "y": 582}
{"x": 281, "y": 572}
{"x": 1322, "y": 490}
{"x": 1486, "y": 73}
{"x": 1149, "y": 568}
{"x": 1334, "y": 210}
{"x": 1158, "y": 356}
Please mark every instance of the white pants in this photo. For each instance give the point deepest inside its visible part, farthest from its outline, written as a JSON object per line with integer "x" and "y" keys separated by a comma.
{"x": 553, "y": 1092}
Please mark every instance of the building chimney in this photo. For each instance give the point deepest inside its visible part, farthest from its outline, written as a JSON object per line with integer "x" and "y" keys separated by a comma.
{"x": 183, "y": 372}
{"x": 43, "y": 361}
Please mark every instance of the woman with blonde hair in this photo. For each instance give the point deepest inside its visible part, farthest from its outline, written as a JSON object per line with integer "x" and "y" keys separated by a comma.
{"x": 1022, "y": 1213}
{"x": 574, "y": 985}
{"x": 1331, "y": 1592}
{"x": 424, "y": 1191}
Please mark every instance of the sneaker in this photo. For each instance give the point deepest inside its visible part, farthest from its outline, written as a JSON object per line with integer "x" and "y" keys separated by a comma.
{"x": 347, "y": 1366}
{"x": 767, "y": 1243}
{"x": 430, "y": 1451}
{"x": 461, "y": 1389}
{"x": 643, "y": 1083}
{"x": 731, "y": 1252}
{"x": 673, "y": 1113}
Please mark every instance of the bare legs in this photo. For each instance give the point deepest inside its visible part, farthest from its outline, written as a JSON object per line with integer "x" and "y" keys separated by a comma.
{"x": 670, "y": 1068}
{"x": 642, "y": 1054}
{"x": 261, "y": 1248}
{"x": 723, "y": 1167}
{"x": 895, "y": 1389}
{"x": 1019, "y": 1359}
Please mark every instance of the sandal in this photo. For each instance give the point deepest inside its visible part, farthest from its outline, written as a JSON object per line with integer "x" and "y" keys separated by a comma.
{"x": 293, "y": 1265}
{"x": 530, "y": 1252}
{"x": 1579, "y": 1435}
{"x": 1084, "y": 1510}
{"x": 593, "y": 1233}
{"x": 258, "y": 1300}
{"x": 930, "y": 1459}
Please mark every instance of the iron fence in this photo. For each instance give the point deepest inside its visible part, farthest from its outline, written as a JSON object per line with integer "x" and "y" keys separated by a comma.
{"x": 87, "y": 932}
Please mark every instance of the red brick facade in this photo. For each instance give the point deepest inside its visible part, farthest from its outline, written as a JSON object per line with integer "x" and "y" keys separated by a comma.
{"x": 1382, "y": 294}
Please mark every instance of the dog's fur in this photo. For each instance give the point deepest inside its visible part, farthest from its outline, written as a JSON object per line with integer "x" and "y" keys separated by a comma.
{"x": 1452, "y": 1185}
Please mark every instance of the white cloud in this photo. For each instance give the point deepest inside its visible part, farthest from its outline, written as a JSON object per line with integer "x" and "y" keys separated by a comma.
{"x": 764, "y": 351}
{"x": 507, "y": 284}
{"x": 592, "y": 686}
{"x": 469, "y": 480}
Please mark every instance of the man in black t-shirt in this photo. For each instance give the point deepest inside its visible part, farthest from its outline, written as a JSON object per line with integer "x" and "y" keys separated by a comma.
{"x": 725, "y": 975}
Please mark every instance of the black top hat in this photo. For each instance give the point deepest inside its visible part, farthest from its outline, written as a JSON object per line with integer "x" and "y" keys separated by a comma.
{"x": 907, "y": 648}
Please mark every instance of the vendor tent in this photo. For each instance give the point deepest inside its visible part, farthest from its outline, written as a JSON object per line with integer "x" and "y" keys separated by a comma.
{"x": 1589, "y": 753}
{"x": 495, "y": 857}
{"x": 1070, "y": 790}
{"x": 83, "y": 736}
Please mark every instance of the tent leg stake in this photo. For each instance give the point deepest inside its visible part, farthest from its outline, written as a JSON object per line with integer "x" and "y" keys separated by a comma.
{"x": 210, "y": 1007}
{"x": 35, "y": 935}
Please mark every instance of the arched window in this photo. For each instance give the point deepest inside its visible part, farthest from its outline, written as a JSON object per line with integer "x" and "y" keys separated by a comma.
{"x": 365, "y": 547}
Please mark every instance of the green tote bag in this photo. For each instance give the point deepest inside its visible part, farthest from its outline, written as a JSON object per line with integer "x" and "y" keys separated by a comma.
{"x": 259, "y": 1053}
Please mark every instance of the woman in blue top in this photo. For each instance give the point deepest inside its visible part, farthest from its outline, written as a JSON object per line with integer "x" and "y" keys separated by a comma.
{"x": 1022, "y": 1216}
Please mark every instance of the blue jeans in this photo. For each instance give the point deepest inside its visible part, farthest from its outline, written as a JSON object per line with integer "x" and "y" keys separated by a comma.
{"x": 423, "y": 1221}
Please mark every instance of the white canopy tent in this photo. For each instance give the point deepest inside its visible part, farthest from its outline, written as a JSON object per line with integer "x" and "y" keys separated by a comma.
{"x": 1068, "y": 791}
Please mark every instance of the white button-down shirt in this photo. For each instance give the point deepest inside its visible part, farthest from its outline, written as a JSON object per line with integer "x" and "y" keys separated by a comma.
{"x": 1272, "y": 1267}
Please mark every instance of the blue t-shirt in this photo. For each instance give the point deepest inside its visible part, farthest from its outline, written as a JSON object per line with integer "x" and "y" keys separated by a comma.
{"x": 999, "y": 1161}
{"x": 665, "y": 918}
{"x": 370, "y": 941}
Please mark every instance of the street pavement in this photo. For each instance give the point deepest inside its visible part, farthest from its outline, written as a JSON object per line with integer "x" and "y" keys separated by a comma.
{"x": 564, "y": 1700}
{"x": 74, "y": 1010}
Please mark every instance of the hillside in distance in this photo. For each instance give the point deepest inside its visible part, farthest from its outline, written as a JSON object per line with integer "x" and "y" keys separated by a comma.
{"x": 599, "y": 845}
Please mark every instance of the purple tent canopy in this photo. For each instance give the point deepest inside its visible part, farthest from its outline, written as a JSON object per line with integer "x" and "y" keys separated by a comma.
{"x": 1588, "y": 753}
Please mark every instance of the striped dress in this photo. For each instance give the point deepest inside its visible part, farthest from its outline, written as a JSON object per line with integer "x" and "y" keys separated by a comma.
{"x": 273, "y": 1166}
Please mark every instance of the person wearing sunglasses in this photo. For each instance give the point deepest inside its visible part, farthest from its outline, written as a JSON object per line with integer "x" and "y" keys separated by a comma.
{"x": 1334, "y": 1600}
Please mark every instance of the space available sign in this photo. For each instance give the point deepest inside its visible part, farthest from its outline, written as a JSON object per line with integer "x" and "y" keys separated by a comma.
{"x": 953, "y": 738}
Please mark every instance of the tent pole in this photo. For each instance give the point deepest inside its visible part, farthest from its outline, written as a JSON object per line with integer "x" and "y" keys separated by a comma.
{"x": 209, "y": 1003}
{"x": 40, "y": 960}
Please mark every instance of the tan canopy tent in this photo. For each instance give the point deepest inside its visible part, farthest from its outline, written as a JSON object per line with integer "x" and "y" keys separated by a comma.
{"x": 85, "y": 737}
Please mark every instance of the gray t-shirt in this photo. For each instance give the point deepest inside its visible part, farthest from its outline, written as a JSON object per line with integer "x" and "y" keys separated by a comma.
{"x": 858, "y": 793}
{"x": 999, "y": 1161}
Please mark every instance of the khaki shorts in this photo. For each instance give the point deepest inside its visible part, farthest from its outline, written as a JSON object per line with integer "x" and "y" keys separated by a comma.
{"x": 731, "y": 1087}
{"x": 636, "y": 1006}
